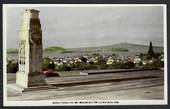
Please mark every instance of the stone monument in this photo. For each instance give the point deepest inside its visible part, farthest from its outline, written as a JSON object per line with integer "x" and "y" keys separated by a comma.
{"x": 30, "y": 51}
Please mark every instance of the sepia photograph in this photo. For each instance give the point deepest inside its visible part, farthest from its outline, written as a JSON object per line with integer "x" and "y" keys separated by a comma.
{"x": 84, "y": 54}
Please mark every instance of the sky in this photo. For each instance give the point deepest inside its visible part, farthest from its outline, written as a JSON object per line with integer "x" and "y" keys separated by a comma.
{"x": 83, "y": 26}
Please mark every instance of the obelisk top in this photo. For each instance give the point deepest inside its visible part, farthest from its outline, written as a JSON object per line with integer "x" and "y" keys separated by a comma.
{"x": 31, "y": 10}
{"x": 31, "y": 13}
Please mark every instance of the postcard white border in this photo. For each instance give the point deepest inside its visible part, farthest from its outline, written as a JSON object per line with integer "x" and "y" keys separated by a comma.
{"x": 49, "y": 102}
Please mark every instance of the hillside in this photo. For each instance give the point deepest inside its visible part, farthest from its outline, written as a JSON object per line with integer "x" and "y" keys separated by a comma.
{"x": 137, "y": 48}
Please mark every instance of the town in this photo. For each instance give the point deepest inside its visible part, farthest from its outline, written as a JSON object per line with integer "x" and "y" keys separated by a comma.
{"x": 97, "y": 61}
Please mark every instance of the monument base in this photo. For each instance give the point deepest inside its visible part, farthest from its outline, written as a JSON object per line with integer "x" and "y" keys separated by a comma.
{"x": 19, "y": 89}
{"x": 27, "y": 80}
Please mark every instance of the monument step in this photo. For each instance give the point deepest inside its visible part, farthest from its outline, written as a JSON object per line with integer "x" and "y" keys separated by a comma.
{"x": 18, "y": 89}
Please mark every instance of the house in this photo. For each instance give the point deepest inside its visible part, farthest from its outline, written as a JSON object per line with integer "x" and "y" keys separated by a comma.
{"x": 110, "y": 60}
{"x": 137, "y": 60}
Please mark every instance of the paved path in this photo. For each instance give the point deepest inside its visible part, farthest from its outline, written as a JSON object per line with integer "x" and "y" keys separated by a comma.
{"x": 150, "y": 88}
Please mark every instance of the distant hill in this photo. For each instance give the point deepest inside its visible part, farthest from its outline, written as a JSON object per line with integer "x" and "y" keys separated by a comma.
{"x": 12, "y": 50}
{"x": 129, "y": 47}
{"x": 121, "y": 47}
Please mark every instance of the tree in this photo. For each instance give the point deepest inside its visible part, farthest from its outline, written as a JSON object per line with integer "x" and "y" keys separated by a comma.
{"x": 141, "y": 55}
{"x": 47, "y": 64}
{"x": 101, "y": 60}
{"x": 150, "y": 51}
{"x": 83, "y": 59}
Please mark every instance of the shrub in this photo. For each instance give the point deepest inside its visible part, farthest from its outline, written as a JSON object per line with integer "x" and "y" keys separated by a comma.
{"x": 120, "y": 49}
{"x": 64, "y": 68}
{"x": 128, "y": 65}
{"x": 150, "y": 67}
{"x": 55, "y": 49}
{"x": 12, "y": 67}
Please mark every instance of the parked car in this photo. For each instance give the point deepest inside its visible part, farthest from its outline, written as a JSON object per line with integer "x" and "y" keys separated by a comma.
{"x": 50, "y": 73}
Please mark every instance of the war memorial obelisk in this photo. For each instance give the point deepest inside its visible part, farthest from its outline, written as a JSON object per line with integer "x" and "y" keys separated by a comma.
{"x": 30, "y": 51}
